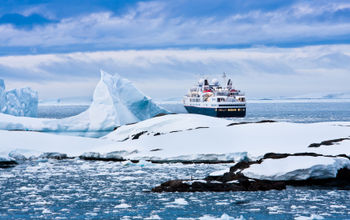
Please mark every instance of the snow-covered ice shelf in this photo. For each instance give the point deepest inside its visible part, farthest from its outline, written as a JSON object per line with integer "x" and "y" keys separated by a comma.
{"x": 188, "y": 137}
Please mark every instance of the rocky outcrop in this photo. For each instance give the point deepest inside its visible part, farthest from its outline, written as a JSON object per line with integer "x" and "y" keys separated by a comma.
{"x": 8, "y": 164}
{"x": 328, "y": 142}
{"x": 54, "y": 155}
{"x": 235, "y": 180}
{"x": 214, "y": 186}
{"x": 243, "y": 123}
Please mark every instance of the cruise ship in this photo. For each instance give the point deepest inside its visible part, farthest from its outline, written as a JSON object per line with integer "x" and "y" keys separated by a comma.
{"x": 213, "y": 99}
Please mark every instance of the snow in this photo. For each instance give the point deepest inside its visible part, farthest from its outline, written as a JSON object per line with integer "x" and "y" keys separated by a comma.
{"x": 29, "y": 144}
{"x": 297, "y": 168}
{"x": 223, "y": 217}
{"x": 5, "y": 159}
{"x": 122, "y": 206}
{"x": 180, "y": 201}
{"x": 311, "y": 217}
{"x": 190, "y": 137}
{"x": 166, "y": 124}
{"x": 18, "y": 102}
{"x": 220, "y": 172}
{"x": 219, "y": 142}
{"x": 116, "y": 101}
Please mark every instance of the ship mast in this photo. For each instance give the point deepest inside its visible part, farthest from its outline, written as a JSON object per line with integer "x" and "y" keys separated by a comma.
{"x": 224, "y": 78}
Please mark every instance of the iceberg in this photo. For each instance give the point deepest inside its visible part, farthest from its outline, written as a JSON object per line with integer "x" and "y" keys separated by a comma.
{"x": 2, "y": 86}
{"x": 18, "y": 102}
{"x": 116, "y": 101}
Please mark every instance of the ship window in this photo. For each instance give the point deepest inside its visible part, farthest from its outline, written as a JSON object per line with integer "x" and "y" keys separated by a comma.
{"x": 221, "y": 99}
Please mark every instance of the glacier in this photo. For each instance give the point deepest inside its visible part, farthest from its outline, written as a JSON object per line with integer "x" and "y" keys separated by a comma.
{"x": 18, "y": 102}
{"x": 116, "y": 101}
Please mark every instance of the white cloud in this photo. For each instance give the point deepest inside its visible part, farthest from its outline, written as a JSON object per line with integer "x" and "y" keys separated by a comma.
{"x": 151, "y": 24}
{"x": 261, "y": 72}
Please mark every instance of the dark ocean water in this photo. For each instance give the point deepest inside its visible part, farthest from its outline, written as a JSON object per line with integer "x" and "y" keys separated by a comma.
{"x": 75, "y": 189}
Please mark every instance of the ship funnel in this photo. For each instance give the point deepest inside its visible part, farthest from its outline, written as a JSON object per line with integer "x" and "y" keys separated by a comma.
{"x": 206, "y": 83}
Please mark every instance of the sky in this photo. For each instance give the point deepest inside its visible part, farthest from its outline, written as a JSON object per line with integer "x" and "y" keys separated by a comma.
{"x": 269, "y": 48}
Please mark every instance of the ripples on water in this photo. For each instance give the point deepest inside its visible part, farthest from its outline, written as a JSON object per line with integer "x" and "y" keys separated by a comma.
{"x": 72, "y": 189}
{"x": 280, "y": 111}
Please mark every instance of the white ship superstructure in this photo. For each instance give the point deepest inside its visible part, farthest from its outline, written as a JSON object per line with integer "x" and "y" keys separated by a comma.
{"x": 215, "y": 100}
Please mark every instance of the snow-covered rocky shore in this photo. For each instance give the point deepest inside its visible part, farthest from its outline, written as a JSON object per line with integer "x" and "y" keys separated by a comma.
{"x": 267, "y": 154}
{"x": 275, "y": 153}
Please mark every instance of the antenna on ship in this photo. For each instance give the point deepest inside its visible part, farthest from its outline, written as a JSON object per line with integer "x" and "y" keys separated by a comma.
{"x": 224, "y": 77}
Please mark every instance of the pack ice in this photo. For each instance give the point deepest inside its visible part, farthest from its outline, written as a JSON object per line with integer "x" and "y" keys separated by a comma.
{"x": 18, "y": 102}
{"x": 116, "y": 101}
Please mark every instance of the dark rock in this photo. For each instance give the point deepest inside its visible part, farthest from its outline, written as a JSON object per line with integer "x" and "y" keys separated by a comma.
{"x": 162, "y": 114}
{"x": 124, "y": 139}
{"x": 200, "y": 186}
{"x": 243, "y": 165}
{"x": 234, "y": 180}
{"x": 284, "y": 155}
{"x": 136, "y": 136}
{"x": 275, "y": 156}
{"x": 131, "y": 123}
{"x": 8, "y": 164}
{"x": 201, "y": 127}
{"x": 328, "y": 142}
{"x": 98, "y": 157}
{"x": 54, "y": 155}
{"x": 156, "y": 134}
{"x": 266, "y": 121}
{"x": 238, "y": 123}
{"x": 156, "y": 149}
{"x": 243, "y": 123}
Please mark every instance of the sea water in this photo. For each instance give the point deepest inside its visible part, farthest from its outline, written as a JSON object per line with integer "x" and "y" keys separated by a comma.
{"x": 76, "y": 189}
{"x": 291, "y": 111}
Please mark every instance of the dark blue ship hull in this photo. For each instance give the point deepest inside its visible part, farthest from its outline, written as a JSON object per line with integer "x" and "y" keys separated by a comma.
{"x": 218, "y": 112}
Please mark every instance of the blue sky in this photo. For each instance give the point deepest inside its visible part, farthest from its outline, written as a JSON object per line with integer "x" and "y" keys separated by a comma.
{"x": 58, "y": 41}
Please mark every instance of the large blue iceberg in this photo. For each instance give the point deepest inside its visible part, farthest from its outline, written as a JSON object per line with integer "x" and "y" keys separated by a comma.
{"x": 116, "y": 101}
{"x": 18, "y": 102}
